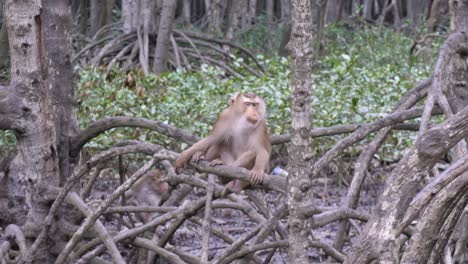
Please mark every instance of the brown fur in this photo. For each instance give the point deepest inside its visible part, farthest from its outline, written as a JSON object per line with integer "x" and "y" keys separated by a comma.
{"x": 238, "y": 138}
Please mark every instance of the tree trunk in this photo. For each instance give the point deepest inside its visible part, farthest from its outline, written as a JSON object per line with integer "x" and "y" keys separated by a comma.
{"x": 130, "y": 15}
{"x": 146, "y": 8}
{"x": 97, "y": 19}
{"x": 164, "y": 33}
{"x": 233, "y": 19}
{"x": 4, "y": 47}
{"x": 269, "y": 10}
{"x": 251, "y": 12}
{"x": 245, "y": 19}
{"x": 285, "y": 10}
{"x": 417, "y": 11}
{"x": 459, "y": 15}
{"x": 40, "y": 109}
{"x": 186, "y": 13}
{"x": 110, "y": 4}
{"x": 332, "y": 11}
{"x": 83, "y": 16}
{"x": 299, "y": 150}
{"x": 214, "y": 16}
{"x": 321, "y": 26}
{"x": 368, "y": 10}
{"x": 402, "y": 199}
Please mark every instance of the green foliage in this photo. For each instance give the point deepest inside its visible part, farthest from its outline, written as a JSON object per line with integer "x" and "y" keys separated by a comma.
{"x": 361, "y": 77}
{"x": 190, "y": 100}
{"x": 263, "y": 37}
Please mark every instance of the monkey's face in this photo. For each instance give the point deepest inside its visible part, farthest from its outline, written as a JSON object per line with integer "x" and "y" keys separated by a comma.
{"x": 250, "y": 107}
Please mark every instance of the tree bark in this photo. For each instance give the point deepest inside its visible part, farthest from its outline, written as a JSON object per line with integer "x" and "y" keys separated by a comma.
{"x": 269, "y": 10}
{"x": 368, "y": 10}
{"x": 285, "y": 11}
{"x": 186, "y": 13}
{"x": 380, "y": 239}
{"x": 4, "y": 47}
{"x": 110, "y": 4}
{"x": 233, "y": 19}
{"x": 299, "y": 150}
{"x": 459, "y": 15}
{"x": 97, "y": 19}
{"x": 130, "y": 15}
{"x": 214, "y": 16}
{"x": 332, "y": 10}
{"x": 417, "y": 11}
{"x": 164, "y": 32}
{"x": 41, "y": 100}
{"x": 83, "y": 16}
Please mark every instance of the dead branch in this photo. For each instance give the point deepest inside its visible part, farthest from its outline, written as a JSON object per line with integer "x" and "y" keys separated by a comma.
{"x": 15, "y": 232}
{"x": 83, "y": 170}
{"x": 90, "y": 220}
{"x": 329, "y": 250}
{"x": 189, "y": 208}
{"x": 271, "y": 182}
{"x": 207, "y": 219}
{"x": 361, "y": 166}
{"x": 4, "y": 248}
{"x": 254, "y": 248}
{"x": 139, "y": 209}
{"x": 428, "y": 193}
{"x": 328, "y": 217}
{"x": 148, "y": 244}
{"x": 99, "y": 126}
{"x": 75, "y": 200}
{"x": 363, "y": 132}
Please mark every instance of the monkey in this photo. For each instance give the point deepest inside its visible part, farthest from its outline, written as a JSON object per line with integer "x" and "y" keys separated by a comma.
{"x": 239, "y": 138}
{"x": 149, "y": 191}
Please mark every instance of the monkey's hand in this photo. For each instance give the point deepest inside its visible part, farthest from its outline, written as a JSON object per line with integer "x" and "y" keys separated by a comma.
{"x": 216, "y": 162}
{"x": 256, "y": 176}
{"x": 199, "y": 155}
{"x": 181, "y": 161}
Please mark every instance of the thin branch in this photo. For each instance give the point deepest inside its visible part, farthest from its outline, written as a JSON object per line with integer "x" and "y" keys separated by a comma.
{"x": 254, "y": 248}
{"x": 222, "y": 42}
{"x": 329, "y": 250}
{"x": 15, "y": 231}
{"x": 83, "y": 170}
{"x": 363, "y": 132}
{"x": 75, "y": 200}
{"x": 338, "y": 214}
{"x": 168, "y": 255}
{"x": 207, "y": 219}
{"x": 182, "y": 34}
{"x": 425, "y": 196}
{"x": 90, "y": 220}
{"x": 189, "y": 208}
{"x": 99, "y": 126}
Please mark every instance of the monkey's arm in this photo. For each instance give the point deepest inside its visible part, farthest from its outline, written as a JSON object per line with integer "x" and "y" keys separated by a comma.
{"x": 245, "y": 159}
{"x": 185, "y": 156}
{"x": 261, "y": 162}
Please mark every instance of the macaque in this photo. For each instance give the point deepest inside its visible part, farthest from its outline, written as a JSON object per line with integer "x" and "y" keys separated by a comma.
{"x": 238, "y": 138}
{"x": 149, "y": 190}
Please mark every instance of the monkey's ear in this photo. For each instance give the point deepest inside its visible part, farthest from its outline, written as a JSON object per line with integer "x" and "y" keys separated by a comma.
{"x": 233, "y": 98}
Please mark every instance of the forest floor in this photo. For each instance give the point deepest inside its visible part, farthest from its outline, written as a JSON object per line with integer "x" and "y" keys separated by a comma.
{"x": 234, "y": 223}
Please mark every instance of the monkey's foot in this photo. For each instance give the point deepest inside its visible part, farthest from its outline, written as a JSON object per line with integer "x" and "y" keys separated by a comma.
{"x": 199, "y": 155}
{"x": 232, "y": 187}
{"x": 216, "y": 162}
{"x": 256, "y": 176}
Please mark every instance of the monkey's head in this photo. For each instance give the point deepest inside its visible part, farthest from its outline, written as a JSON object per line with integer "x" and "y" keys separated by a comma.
{"x": 248, "y": 106}
{"x": 158, "y": 181}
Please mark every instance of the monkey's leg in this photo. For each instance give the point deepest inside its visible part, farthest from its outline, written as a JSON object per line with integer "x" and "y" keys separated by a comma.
{"x": 234, "y": 186}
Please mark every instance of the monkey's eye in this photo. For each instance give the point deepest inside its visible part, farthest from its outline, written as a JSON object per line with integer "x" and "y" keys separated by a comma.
{"x": 248, "y": 104}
